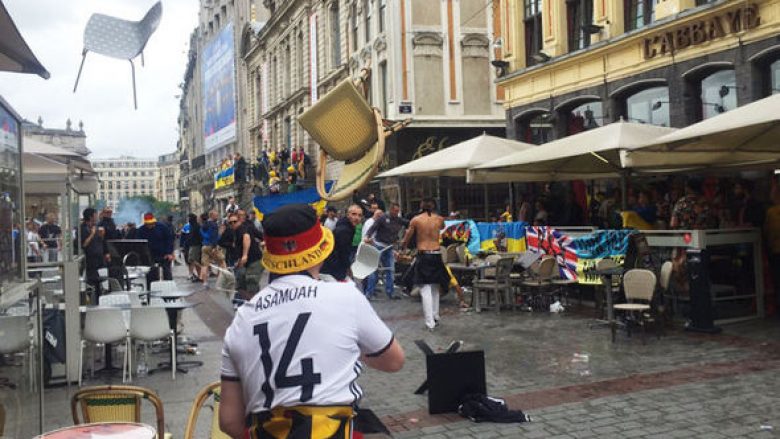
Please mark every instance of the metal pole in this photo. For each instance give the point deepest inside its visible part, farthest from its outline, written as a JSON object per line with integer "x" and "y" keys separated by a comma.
{"x": 487, "y": 209}
{"x": 512, "y": 200}
{"x": 623, "y": 196}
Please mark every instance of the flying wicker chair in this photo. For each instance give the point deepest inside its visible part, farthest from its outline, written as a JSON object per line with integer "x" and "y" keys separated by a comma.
{"x": 348, "y": 130}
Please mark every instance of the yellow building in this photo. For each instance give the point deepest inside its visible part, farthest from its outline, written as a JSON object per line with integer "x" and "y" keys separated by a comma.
{"x": 576, "y": 64}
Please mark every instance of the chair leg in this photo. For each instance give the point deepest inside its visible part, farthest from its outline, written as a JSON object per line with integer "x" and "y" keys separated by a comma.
{"x": 476, "y": 292}
{"x": 132, "y": 69}
{"x": 81, "y": 360}
{"x": 78, "y": 76}
{"x": 173, "y": 357}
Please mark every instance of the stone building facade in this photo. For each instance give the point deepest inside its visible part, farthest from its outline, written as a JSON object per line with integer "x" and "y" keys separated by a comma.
{"x": 168, "y": 182}
{"x": 124, "y": 177}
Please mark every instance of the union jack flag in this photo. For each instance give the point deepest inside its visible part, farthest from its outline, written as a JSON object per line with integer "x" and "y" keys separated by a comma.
{"x": 548, "y": 241}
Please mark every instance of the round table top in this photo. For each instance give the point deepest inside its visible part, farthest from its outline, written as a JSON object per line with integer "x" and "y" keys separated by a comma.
{"x": 128, "y": 430}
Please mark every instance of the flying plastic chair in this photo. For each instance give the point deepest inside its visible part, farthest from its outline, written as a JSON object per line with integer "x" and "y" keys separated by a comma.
{"x": 118, "y": 38}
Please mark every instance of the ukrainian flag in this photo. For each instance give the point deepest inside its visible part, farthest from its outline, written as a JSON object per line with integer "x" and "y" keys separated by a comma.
{"x": 504, "y": 237}
{"x": 224, "y": 178}
{"x": 269, "y": 204}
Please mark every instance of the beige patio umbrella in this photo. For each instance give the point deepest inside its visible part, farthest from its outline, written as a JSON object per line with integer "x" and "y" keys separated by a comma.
{"x": 15, "y": 54}
{"x": 587, "y": 155}
{"x": 454, "y": 160}
{"x": 743, "y": 137}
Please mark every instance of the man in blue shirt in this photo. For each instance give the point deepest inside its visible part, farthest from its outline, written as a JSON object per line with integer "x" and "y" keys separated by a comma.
{"x": 160, "y": 241}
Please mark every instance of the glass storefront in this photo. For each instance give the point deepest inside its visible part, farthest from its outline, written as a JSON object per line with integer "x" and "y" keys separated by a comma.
{"x": 774, "y": 77}
{"x": 585, "y": 117}
{"x": 650, "y": 106}
{"x": 537, "y": 129}
{"x": 718, "y": 93}
{"x": 20, "y": 368}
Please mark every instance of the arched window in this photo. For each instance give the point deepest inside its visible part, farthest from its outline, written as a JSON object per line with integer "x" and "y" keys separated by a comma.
{"x": 584, "y": 117}
{"x": 536, "y": 128}
{"x": 718, "y": 93}
{"x": 774, "y": 77}
{"x": 650, "y": 106}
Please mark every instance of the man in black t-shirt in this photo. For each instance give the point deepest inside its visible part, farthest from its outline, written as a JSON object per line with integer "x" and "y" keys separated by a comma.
{"x": 51, "y": 235}
{"x": 95, "y": 250}
{"x": 248, "y": 265}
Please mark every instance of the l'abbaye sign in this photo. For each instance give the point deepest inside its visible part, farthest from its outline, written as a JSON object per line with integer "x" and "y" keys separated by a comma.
{"x": 698, "y": 32}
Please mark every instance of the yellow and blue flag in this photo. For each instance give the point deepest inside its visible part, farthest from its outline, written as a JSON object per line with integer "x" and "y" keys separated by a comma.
{"x": 269, "y": 204}
{"x": 224, "y": 178}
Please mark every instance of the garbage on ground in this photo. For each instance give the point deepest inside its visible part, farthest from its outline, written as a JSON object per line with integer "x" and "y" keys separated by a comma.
{"x": 556, "y": 307}
{"x": 767, "y": 428}
{"x": 581, "y": 364}
{"x": 482, "y": 408}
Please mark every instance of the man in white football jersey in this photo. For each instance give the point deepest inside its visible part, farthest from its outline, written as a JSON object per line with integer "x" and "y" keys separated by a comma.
{"x": 292, "y": 355}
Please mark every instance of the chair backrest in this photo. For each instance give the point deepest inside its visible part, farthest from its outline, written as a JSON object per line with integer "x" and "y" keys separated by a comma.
{"x": 163, "y": 285}
{"x": 452, "y": 253}
{"x": 492, "y": 260}
{"x": 14, "y": 334}
{"x": 504, "y": 269}
{"x": 606, "y": 264}
{"x": 115, "y": 404}
{"x": 104, "y": 325}
{"x": 548, "y": 268}
{"x": 151, "y": 20}
{"x": 149, "y": 323}
{"x": 211, "y": 391}
{"x": 666, "y": 275}
{"x": 460, "y": 250}
{"x": 114, "y": 285}
{"x": 639, "y": 284}
{"x": 366, "y": 261}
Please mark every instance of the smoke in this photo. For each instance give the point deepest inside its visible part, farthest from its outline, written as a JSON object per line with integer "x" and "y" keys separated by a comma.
{"x": 131, "y": 210}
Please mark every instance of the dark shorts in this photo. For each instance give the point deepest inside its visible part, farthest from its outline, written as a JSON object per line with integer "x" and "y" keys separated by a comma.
{"x": 248, "y": 278}
{"x": 193, "y": 255}
{"x": 429, "y": 268}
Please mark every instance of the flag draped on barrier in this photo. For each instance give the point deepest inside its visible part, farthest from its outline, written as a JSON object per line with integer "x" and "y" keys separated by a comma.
{"x": 268, "y": 204}
{"x": 223, "y": 178}
{"x": 502, "y": 237}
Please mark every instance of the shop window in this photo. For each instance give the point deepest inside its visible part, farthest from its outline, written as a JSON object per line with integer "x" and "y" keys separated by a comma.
{"x": 649, "y": 106}
{"x": 367, "y": 19}
{"x": 579, "y": 23}
{"x": 536, "y": 129}
{"x": 774, "y": 77}
{"x": 584, "y": 117}
{"x": 533, "y": 29}
{"x": 639, "y": 13}
{"x": 335, "y": 35}
{"x": 718, "y": 93}
{"x": 353, "y": 21}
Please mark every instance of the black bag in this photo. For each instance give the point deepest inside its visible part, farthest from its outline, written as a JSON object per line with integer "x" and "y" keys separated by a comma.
{"x": 483, "y": 408}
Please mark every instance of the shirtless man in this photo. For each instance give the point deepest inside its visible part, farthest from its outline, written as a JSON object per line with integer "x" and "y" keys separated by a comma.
{"x": 429, "y": 270}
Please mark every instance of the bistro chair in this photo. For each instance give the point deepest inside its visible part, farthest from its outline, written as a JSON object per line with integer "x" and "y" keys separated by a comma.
{"x": 210, "y": 392}
{"x": 639, "y": 285}
{"x": 115, "y": 404}
{"x": 148, "y": 324}
{"x": 103, "y": 326}
{"x": 452, "y": 253}
{"x": 600, "y": 293}
{"x": 535, "y": 287}
{"x": 118, "y": 38}
{"x": 15, "y": 339}
{"x": 498, "y": 286}
{"x": 163, "y": 285}
{"x": 490, "y": 272}
{"x": 460, "y": 250}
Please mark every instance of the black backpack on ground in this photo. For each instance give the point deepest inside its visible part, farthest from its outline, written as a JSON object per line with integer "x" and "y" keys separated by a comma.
{"x": 483, "y": 408}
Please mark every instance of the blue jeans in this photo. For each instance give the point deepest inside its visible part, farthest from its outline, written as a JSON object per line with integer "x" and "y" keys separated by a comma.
{"x": 386, "y": 261}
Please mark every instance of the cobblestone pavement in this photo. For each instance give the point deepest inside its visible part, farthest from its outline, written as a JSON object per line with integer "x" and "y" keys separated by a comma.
{"x": 683, "y": 385}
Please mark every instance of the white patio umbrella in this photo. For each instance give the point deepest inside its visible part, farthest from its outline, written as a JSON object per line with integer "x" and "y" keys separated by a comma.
{"x": 743, "y": 137}
{"x": 454, "y": 160}
{"x": 587, "y": 155}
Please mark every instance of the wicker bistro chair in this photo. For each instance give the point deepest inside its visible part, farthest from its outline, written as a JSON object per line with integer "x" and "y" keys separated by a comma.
{"x": 536, "y": 288}
{"x": 115, "y": 404}
{"x": 451, "y": 253}
{"x": 600, "y": 293}
{"x": 460, "y": 251}
{"x": 490, "y": 273}
{"x": 639, "y": 285}
{"x": 347, "y": 129}
{"x": 212, "y": 392}
{"x": 499, "y": 286}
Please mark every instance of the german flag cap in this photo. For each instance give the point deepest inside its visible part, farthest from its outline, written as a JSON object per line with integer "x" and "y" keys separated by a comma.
{"x": 295, "y": 240}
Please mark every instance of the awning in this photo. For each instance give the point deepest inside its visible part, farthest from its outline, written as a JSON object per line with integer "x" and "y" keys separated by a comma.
{"x": 47, "y": 171}
{"x": 453, "y": 161}
{"x": 744, "y": 137}
{"x": 587, "y": 155}
{"x": 15, "y": 54}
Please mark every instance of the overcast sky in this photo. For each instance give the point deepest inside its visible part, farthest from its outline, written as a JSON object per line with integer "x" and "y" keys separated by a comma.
{"x": 54, "y": 31}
